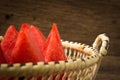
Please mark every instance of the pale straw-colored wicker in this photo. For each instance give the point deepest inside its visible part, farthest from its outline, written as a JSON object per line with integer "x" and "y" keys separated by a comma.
{"x": 82, "y": 63}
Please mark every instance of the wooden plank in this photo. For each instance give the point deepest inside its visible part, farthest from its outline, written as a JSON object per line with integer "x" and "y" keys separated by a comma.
{"x": 110, "y": 64}
{"x": 105, "y": 76}
{"x": 109, "y": 69}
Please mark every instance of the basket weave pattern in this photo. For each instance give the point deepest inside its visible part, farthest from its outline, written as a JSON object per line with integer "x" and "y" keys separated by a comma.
{"x": 82, "y": 64}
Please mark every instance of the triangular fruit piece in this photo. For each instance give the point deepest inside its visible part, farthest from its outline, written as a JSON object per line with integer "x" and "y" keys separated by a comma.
{"x": 26, "y": 48}
{"x": 38, "y": 35}
{"x": 54, "y": 26}
{"x": 2, "y": 58}
{"x": 53, "y": 50}
{"x": 8, "y": 42}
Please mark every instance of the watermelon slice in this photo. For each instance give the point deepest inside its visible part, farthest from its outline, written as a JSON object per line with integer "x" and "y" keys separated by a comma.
{"x": 9, "y": 41}
{"x": 26, "y": 48}
{"x": 53, "y": 50}
{"x": 2, "y": 58}
{"x": 38, "y": 35}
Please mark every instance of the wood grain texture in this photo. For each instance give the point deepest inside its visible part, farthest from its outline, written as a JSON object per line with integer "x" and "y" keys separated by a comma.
{"x": 78, "y": 20}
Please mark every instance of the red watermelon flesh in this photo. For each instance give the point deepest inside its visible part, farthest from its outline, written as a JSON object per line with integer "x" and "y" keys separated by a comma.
{"x": 1, "y": 78}
{"x": 4, "y": 78}
{"x": 26, "y": 48}
{"x": 38, "y": 35}
{"x": 54, "y": 26}
{"x": 9, "y": 41}
{"x": 53, "y": 50}
{"x": 2, "y": 58}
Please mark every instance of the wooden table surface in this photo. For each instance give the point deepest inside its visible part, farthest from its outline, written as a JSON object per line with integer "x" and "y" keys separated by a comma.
{"x": 78, "y": 20}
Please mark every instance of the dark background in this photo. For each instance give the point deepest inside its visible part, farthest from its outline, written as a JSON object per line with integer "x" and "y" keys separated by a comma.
{"x": 78, "y": 20}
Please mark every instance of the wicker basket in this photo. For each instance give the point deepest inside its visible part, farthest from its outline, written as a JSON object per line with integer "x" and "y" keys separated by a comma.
{"x": 82, "y": 63}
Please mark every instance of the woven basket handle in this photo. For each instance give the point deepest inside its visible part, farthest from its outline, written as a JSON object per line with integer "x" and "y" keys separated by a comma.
{"x": 101, "y": 43}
